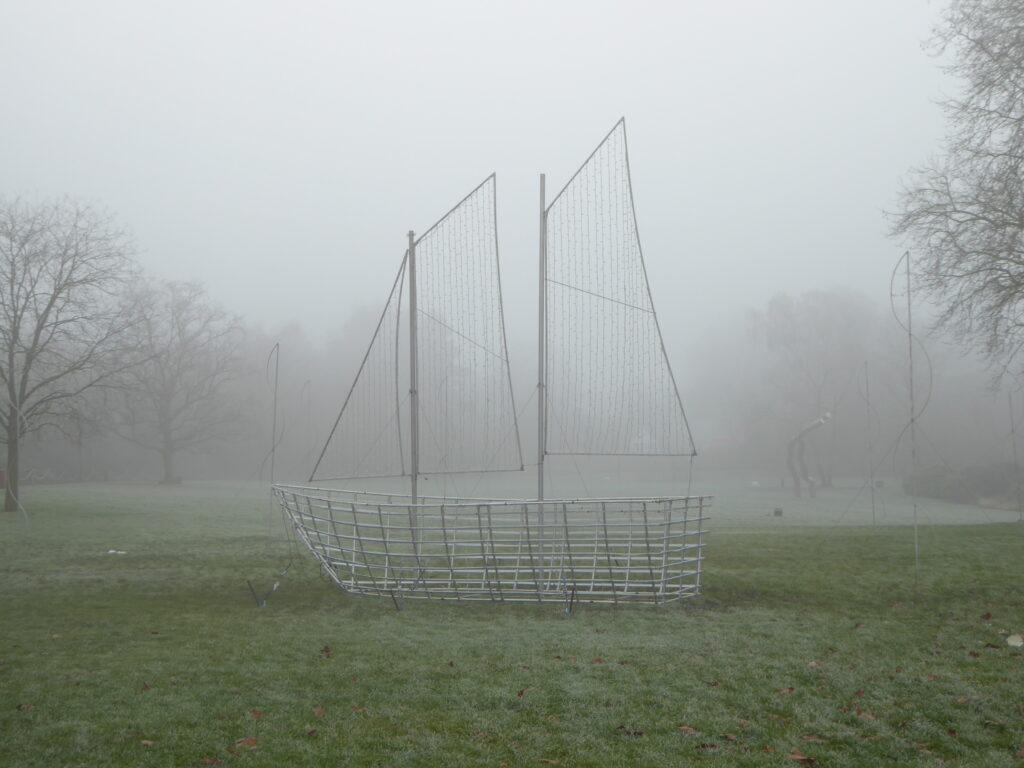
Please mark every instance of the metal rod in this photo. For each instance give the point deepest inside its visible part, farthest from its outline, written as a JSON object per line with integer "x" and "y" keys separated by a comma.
{"x": 541, "y": 354}
{"x": 871, "y": 451}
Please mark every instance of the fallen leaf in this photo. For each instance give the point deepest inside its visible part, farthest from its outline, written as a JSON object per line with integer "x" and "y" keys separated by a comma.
{"x": 858, "y": 694}
{"x": 986, "y": 616}
{"x": 358, "y": 708}
{"x": 1019, "y": 753}
{"x": 311, "y": 732}
{"x": 631, "y": 731}
{"x": 256, "y": 714}
{"x": 25, "y": 707}
{"x": 522, "y": 691}
{"x": 246, "y": 741}
{"x": 974, "y": 654}
{"x": 991, "y": 645}
{"x": 952, "y": 732}
{"x": 712, "y": 683}
{"x": 815, "y": 664}
{"x": 727, "y": 736}
{"x": 145, "y": 685}
{"x": 210, "y": 761}
{"x": 708, "y": 745}
{"x": 553, "y": 719}
{"x": 688, "y": 730}
{"x": 598, "y": 660}
{"x": 784, "y": 690}
{"x": 858, "y": 625}
{"x": 548, "y": 760}
{"x": 326, "y": 651}
{"x": 147, "y": 743}
{"x": 742, "y": 722}
{"x": 524, "y": 666}
{"x": 318, "y": 711}
{"x": 481, "y": 735}
{"x": 767, "y": 748}
{"x": 800, "y": 757}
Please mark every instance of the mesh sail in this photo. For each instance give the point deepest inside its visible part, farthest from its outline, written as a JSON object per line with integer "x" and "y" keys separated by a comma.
{"x": 610, "y": 389}
{"x": 366, "y": 440}
{"x": 467, "y": 414}
{"x": 467, "y": 417}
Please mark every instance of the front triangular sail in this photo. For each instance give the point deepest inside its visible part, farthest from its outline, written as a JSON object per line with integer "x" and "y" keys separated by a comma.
{"x": 466, "y": 413}
{"x": 609, "y": 386}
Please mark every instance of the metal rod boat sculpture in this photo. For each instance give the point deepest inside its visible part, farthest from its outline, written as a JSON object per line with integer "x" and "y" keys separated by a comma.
{"x": 433, "y": 396}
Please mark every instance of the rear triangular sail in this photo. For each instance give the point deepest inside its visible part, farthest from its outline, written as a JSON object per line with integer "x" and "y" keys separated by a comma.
{"x": 610, "y": 389}
{"x": 466, "y": 413}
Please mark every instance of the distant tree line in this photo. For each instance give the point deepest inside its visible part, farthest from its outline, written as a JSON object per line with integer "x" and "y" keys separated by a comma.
{"x": 89, "y": 345}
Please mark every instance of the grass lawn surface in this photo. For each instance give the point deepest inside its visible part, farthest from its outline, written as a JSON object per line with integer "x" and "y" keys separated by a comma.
{"x": 128, "y": 636}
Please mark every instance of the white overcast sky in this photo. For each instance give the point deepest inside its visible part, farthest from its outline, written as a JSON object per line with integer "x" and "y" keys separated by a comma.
{"x": 279, "y": 151}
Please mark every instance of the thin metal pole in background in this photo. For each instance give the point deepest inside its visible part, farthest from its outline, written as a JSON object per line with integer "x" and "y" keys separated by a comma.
{"x": 1016, "y": 466}
{"x": 913, "y": 420}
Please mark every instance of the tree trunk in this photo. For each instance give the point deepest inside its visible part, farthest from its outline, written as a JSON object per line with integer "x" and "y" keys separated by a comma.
{"x": 11, "y": 488}
{"x": 169, "y": 478}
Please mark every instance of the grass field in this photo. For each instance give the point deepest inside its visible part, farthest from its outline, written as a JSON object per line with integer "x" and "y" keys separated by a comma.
{"x": 810, "y": 636}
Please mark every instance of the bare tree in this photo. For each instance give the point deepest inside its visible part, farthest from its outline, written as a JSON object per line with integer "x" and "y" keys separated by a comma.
{"x": 176, "y": 399}
{"x": 964, "y": 211}
{"x": 62, "y": 268}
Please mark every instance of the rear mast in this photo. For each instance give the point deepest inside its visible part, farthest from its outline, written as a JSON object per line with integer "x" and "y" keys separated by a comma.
{"x": 541, "y": 351}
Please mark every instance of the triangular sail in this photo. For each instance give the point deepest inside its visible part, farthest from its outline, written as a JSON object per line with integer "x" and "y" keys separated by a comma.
{"x": 609, "y": 387}
{"x": 366, "y": 440}
{"x": 466, "y": 413}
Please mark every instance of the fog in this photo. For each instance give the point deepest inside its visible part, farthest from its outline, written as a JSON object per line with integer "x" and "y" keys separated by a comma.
{"x": 278, "y": 154}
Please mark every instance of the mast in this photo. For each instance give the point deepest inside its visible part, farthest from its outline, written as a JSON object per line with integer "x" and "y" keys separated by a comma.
{"x": 913, "y": 419}
{"x": 414, "y": 407}
{"x": 541, "y": 352}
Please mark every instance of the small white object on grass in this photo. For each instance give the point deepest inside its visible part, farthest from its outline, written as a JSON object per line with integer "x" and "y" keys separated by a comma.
{"x": 116, "y": 552}
{"x": 1015, "y": 640}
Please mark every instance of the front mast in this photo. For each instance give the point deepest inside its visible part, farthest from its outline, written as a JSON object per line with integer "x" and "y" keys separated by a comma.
{"x": 414, "y": 406}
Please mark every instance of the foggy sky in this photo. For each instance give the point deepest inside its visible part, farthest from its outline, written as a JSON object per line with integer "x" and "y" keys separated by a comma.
{"x": 279, "y": 152}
